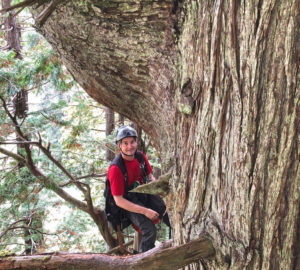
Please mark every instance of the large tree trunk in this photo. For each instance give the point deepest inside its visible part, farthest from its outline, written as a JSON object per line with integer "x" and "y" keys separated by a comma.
{"x": 109, "y": 127}
{"x": 12, "y": 30}
{"x": 216, "y": 86}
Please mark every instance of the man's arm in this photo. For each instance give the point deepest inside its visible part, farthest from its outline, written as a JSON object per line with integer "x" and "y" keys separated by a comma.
{"x": 132, "y": 207}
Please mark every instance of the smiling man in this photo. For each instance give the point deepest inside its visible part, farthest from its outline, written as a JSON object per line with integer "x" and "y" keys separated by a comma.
{"x": 143, "y": 210}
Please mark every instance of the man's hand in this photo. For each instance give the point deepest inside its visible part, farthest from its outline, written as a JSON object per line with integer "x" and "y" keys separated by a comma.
{"x": 151, "y": 177}
{"x": 151, "y": 214}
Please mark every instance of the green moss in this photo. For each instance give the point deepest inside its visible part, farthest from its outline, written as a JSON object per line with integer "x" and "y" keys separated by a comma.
{"x": 42, "y": 259}
{"x": 105, "y": 4}
{"x": 6, "y": 252}
{"x": 46, "y": 258}
{"x": 128, "y": 7}
{"x": 185, "y": 108}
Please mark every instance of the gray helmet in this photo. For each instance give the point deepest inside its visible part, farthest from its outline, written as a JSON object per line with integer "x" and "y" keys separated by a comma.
{"x": 124, "y": 132}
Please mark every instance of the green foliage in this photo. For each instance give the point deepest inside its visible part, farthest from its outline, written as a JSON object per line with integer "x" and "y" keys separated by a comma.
{"x": 77, "y": 232}
{"x": 153, "y": 157}
{"x": 31, "y": 72}
{"x": 62, "y": 115}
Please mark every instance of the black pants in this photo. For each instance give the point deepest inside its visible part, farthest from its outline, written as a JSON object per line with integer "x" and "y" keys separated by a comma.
{"x": 146, "y": 225}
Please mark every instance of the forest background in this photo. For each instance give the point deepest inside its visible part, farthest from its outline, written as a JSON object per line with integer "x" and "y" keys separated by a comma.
{"x": 72, "y": 127}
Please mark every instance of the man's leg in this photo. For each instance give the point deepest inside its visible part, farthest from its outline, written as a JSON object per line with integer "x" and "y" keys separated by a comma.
{"x": 147, "y": 228}
{"x": 157, "y": 204}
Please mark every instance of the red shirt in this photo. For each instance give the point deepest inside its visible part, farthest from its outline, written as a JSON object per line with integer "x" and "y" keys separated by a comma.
{"x": 116, "y": 178}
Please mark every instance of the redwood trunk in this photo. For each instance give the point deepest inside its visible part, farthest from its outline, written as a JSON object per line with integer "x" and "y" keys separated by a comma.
{"x": 216, "y": 86}
{"x": 109, "y": 127}
{"x": 12, "y": 30}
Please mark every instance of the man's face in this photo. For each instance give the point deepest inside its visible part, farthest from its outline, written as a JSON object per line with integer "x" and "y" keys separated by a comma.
{"x": 128, "y": 146}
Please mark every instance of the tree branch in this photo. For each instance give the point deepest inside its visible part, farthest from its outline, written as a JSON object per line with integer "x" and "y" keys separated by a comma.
{"x": 158, "y": 187}
{"x": 44, "y": 15}
{"x": 28, "y": 228}
{"x": 115, "y": 249}
{"x": 12, "y": 225}
{"x": 47, "y": 181}
{"x": 36, "y": 172}
{"x": 5, "y": 48}
{"x": 91, "y": 175}
{"x": 157, "y": 258}
{"x": 58, "y": 164}
{"x": 18, "y": 142}
{"x": 83, "y": 177}
{"x": 23, "y": 4}
{"x": 86, "y": 191}
{"x": 17, "y": 157}
{"x": 70, "y": 182}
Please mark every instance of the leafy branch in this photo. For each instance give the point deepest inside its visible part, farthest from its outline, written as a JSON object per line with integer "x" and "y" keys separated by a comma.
{"x": 97, "y": 215}
{"x": 83, "y": 177}
{"x": 28, "y": 161}
{"x": 13, "y": 226}
{"x": 43, "y": 16}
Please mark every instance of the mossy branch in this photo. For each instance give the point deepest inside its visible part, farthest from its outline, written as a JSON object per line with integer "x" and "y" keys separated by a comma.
{"x": 158, "y": 187}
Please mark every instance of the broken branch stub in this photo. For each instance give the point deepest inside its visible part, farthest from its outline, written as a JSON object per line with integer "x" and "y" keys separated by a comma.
{"x": 158, "y": 187}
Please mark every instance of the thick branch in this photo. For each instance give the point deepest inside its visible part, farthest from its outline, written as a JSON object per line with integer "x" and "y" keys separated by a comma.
{"x": 157, "y": 258}
{"x": 17, "y": 157}
{"x": 47, "y": 181}
{"x": 23, "y": 4}
{"x": 44, "y": 15}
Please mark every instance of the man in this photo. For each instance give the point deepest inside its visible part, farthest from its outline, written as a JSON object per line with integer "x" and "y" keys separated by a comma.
{"x": 142, "y": 211}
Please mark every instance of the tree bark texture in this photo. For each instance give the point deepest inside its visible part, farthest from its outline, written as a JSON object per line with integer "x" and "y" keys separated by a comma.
{"x": 12, "y": 30}
{"x": 109, "y": 127}
{"x": 216, "y": 86}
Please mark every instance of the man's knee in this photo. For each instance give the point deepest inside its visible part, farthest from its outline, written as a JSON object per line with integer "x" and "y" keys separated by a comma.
{"x": 148, "y": 229}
